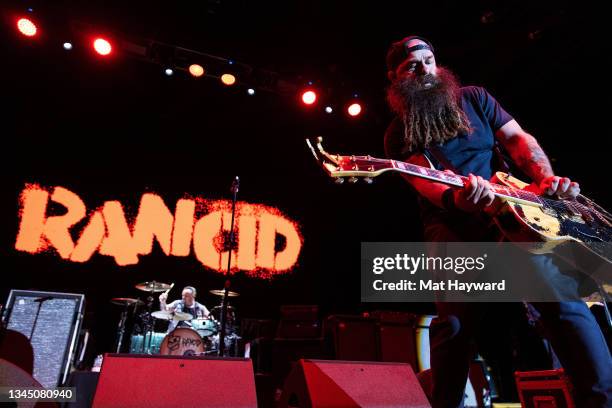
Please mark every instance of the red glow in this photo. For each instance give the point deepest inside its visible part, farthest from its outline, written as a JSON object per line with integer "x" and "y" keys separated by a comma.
{"x": 26, "y": 27}
{"x": 309, "y": 97}
{"x": 102, "y": 46}
{"x": 354, "y": 109}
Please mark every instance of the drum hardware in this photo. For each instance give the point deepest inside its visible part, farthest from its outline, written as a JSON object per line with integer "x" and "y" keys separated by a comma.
{"x": 230, "y": 348}
{"x": 201, "y": 337}
{"x": 147, "y": 317}
{"x": 126, "y": 303}
{"x": 175, "y": 316}
{"x": 230, "y": 317}
{"x": 154, "y": 341}
{"x": 205, "y": 326}
{"x": 153, "y": 286}
{"x": 221, "y": 292}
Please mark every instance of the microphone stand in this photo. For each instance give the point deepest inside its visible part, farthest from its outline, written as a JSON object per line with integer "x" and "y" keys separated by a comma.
{"x": 234, "y": 190}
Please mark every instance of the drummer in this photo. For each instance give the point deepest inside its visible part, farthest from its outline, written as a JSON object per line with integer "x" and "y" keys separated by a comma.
{"x": 187, "y": 304}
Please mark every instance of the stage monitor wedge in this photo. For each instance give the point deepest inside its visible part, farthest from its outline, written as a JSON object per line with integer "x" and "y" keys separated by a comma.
{"x": 352, "y": 384}
{"x": 154, "y": 381}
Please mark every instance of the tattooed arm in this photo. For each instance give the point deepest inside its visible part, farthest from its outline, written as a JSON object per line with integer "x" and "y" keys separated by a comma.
{"x": 529, "y": 156}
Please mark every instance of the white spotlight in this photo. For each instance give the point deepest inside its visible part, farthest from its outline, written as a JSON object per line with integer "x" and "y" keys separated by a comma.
{"x": 328, "y": 109}
{"x": 169, "y": 71}
{"x": 251, "y": 91}
{"x": 67, "y": 46}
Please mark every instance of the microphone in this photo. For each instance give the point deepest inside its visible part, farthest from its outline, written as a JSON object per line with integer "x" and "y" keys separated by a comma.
{"x": 235, "y": 185}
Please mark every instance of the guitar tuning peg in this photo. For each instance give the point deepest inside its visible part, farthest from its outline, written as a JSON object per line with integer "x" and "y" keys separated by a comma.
{"x": 339, "y": 180}
{"x": 368, "y": 180}
{"x": 353, "y": 180}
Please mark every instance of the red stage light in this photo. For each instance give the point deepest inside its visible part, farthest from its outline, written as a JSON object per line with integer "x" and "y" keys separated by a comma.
{"x": 102, "y": 46}
{"x": 354, "y": 109}
{"x": 309, "y": 97}
{"x": 26, "y": 27}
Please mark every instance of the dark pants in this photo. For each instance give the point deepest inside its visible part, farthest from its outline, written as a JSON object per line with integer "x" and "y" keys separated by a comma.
{"x": 570, "y": 326}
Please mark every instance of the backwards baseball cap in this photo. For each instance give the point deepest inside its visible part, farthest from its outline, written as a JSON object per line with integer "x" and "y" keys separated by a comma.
{"x": 399, "y": 50}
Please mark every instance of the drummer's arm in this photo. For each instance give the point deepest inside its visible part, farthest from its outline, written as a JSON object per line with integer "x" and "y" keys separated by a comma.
{"x": 167, "y": 307}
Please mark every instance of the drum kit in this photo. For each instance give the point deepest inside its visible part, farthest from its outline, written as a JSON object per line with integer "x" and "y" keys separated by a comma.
{"x": 192, "y": 336}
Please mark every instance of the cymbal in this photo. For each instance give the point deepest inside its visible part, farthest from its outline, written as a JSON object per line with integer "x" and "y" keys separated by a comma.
{"x": 152, "y": 286}
{"x": 126, "y": 301}
{"x": 176, "y": 316}
{"x": 221, "y": 292}
{"x": 229, "y": 308}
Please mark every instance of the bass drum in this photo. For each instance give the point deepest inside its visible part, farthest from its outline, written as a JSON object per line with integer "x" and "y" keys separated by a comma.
{"x": 182, "y": 341}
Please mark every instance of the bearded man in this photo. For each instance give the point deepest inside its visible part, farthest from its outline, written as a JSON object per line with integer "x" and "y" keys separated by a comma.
{"x": 443, "y": 125}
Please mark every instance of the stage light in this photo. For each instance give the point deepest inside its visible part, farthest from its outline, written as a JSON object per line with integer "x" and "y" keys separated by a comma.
{"x": 168, "y": 71}
{"x": 67, "y": 46}
{"x": 251, "y": 91}
{"x": 196, "y": 70}
{"x": 26, "y": 27}
{"x": 102, "y": 46}
{"x": 329, "y": 109}
{"x": 309, "y": 97}
{"x": 228, "y": 79}
{"x": 354, "y": 109}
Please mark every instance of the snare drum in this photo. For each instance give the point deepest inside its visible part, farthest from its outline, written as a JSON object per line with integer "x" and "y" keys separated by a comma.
{"x": 182, "y": 341}
{"x": 204, "y": 327}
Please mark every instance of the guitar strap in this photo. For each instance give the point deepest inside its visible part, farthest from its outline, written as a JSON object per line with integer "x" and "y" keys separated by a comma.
{"x": 435, "y": 151}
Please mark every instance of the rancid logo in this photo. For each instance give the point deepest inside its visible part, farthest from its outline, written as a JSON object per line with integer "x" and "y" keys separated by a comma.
{"x": 56, "y": 219}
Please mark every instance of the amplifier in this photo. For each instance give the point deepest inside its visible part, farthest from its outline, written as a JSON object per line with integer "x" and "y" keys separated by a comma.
{"x": 51, "y": 321}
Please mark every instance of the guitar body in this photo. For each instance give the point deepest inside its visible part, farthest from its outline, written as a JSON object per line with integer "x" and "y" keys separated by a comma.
{"x": 550, "y": 227}
{"x": 526, "y": 223}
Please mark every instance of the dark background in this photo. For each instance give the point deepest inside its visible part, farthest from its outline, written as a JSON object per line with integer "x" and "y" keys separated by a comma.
{"x": 114, "y": 129}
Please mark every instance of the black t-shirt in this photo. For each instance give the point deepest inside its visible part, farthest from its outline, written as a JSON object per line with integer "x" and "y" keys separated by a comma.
{"x": 468, "y": 153}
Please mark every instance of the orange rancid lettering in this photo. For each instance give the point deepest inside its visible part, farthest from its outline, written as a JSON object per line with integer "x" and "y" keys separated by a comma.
{"x": 197, "y": 226}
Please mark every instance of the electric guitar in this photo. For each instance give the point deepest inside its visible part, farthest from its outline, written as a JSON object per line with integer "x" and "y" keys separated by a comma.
{"x": 523, "y": 216}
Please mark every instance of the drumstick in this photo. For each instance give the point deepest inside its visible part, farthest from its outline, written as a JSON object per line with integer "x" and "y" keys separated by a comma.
{"x": 170, "y": 288}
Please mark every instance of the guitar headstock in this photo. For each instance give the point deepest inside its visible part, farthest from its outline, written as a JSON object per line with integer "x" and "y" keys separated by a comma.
{"x": 353, "y": 167}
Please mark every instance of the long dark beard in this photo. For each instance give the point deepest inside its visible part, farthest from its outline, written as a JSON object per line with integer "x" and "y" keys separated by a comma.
{"x": 431, "y": 114}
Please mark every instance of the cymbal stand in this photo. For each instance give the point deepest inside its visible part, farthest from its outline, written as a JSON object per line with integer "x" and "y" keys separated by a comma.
{"x": 147, "y": 332}
{"x": 121, "y": 327}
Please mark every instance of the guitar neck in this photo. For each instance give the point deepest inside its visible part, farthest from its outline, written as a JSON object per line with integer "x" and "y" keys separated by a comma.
{"x": 507, "y": 193}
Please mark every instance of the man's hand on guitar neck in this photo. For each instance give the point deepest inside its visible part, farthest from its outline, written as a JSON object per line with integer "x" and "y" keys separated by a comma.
{"x": 562, "y": 187}
{"x": 475, "y": 195}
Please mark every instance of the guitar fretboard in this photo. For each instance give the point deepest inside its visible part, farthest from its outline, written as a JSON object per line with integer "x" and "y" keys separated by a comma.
{"x": 458, "y": 181}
